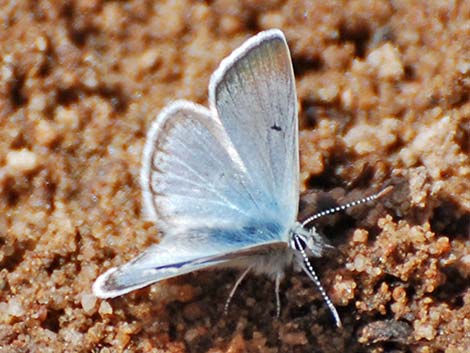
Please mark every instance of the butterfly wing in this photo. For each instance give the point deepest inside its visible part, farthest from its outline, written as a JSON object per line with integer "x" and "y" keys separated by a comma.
{"x": 253, "y": 92}
{"x": 192, "y": 177}
{"x": 177, "y": 254}
{"x": 208, "y": 185}
{"x": 168, "y": 259}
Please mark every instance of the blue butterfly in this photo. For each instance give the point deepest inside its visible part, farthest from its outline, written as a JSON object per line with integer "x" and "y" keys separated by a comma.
{"x": 222, "y": 183}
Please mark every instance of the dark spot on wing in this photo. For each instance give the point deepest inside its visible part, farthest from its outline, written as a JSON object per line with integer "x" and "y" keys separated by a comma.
{"x": 174, "y": 265}
{"x": 276, "y": 127}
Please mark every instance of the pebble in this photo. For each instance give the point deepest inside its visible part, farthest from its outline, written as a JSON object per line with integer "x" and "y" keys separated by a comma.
{"x": 21, "y": 161}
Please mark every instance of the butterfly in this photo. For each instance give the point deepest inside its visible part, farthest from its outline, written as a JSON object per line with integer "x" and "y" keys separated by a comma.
{"x": 222, "y": 183}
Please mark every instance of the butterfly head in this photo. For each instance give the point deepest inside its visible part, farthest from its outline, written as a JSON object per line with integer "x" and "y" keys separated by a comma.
{"x": 308, "y": 241}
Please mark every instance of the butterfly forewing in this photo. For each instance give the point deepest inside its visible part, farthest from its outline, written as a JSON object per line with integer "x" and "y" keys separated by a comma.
{"x": 253, "y": 92}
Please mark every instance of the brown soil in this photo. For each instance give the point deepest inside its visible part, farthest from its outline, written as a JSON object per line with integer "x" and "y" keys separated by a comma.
{"x": 384, "y": 91}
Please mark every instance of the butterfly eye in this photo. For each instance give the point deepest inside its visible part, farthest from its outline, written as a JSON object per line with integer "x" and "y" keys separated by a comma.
{"x": 298, "y": 242}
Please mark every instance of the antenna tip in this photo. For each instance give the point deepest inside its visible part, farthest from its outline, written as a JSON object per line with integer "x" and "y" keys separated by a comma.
{"x": 384, "y": 192}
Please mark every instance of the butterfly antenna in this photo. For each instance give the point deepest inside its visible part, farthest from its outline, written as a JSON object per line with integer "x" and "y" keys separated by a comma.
{"x": 340, "y": 208}
{"x": 308, "y": 269}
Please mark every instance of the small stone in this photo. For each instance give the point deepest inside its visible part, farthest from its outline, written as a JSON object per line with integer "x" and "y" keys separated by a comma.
{"x": 347, "y": 98}
{"x": 344, "y": 290}
{"x": 105, "y": 308}
{"x": 386, "y": 331}
{"x": 230, "y": 24}
{"x": 15, "y": 308}
{"x": 425, "y": 331}
{"x": 237, "y": 345}
{"x": 360, "y": 236}
{"x": 41, "y": 43}
{"x": 360, "y": 263}
{"x": 386, "y": 61}
{"x": 295, "y": 338}
{"x": 38, "y": 103}
{"x": 67, "y": 118}
{"x": 194, "y": 334}
{"x": 465, "y": 264}
{"x": 148, "y": 60}
{"x": 328, "y": 93}
{"x": 88, "y": 302}
{"x": 22, "y": 161}
{"x": 45, "y": 133}
{"x": 72, "y": 336}
{"x": 398, "y": 294}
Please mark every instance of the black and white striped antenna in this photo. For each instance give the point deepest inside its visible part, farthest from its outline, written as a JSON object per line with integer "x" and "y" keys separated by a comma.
{"x": 347, "y": 205}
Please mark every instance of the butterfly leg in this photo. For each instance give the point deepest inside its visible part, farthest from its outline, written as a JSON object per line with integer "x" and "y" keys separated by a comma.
{"x": 276, "y": 290}
{"x": 234, "y": 289}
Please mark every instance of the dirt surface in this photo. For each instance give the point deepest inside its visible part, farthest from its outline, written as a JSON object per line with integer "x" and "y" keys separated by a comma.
{"x": 384, "y": 92}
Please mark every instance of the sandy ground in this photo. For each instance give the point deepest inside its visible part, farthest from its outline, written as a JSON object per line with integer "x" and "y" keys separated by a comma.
{"x": 384, "y": 93}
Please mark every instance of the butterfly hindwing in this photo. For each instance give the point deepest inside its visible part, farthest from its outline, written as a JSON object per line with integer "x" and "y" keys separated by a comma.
{"x": 182, "y": 253}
